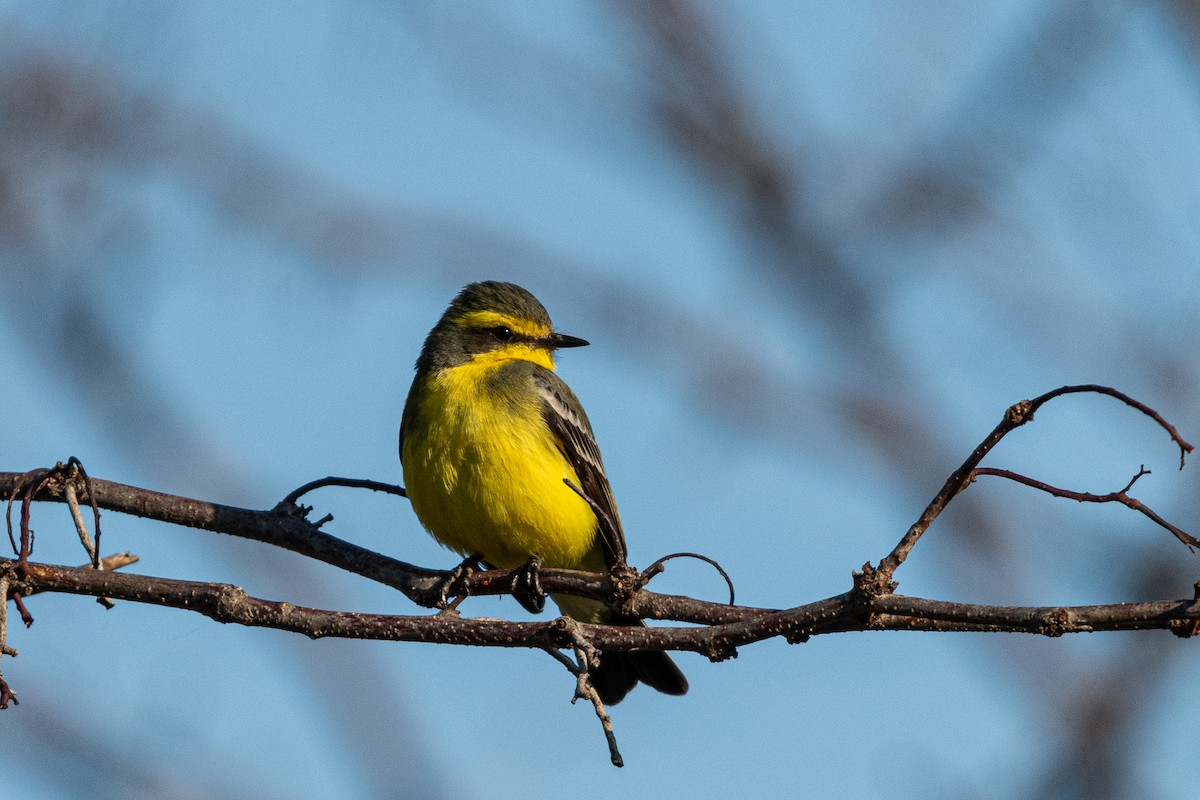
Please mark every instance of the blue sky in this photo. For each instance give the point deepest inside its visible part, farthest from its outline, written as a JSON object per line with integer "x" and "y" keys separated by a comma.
{"x": 990, "y": 201}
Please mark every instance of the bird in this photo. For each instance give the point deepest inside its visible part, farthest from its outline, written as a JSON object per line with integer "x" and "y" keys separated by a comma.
{"x": 498, "y": 457}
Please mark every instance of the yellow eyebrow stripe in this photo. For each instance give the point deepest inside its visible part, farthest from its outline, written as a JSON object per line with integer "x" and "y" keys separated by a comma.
{"x": 493, "y": 319}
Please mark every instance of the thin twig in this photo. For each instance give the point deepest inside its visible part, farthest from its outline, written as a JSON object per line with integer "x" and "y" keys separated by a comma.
{"x": 659, "y": 566}
{"x": 281, "y": 529}
{"x": 27, "y": 486}
{"x": 85, "y": 540}
{"x": 18, "y": 601}
{"x": 586, "y": 691}
{"x": 87, "y": 487}
{"x": 586, "y": 658}
{"x": 3, "y": 609}
{"x": 1017, "y": 415}
{"x": 353, "y": 483}
{"x": 6, "y": 693}
{"x": 1094, "y": 388}
{"x": 118, "y": 560}
{"x": 1119, "y": 496}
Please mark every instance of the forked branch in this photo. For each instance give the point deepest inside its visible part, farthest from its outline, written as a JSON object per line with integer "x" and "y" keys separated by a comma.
{"x": 1016, "y": 416}
{"x": 716, "y": 630}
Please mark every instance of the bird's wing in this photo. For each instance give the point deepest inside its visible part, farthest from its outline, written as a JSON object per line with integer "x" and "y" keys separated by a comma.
{"x": 567, "y": 420}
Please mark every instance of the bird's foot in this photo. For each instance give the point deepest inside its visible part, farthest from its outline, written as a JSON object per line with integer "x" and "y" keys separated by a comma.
{"x": 527, "y": 586}
{"x": 455, "y": 583}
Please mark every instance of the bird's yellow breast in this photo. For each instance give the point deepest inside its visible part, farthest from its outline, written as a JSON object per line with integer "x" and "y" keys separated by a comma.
{"x": 485, "y": 474}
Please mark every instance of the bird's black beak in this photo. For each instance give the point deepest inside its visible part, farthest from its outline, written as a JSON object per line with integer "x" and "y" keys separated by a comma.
{"x": 557, "y": 339}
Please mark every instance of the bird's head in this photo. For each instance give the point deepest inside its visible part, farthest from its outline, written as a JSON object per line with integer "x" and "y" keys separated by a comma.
{"x": 494, "y": 321}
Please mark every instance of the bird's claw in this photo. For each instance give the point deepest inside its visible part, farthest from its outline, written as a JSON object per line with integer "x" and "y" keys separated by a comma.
{"x": 455, "y": 584}
{"x": 527, "y": 586}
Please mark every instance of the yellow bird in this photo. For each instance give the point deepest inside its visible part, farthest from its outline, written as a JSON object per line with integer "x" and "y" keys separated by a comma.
{"x": 488, "y": 436}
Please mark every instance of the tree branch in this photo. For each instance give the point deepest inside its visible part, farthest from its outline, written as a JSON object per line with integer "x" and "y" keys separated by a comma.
{"x": 744, "y": 625}
{"x": 715, "y": 630}
{"x": 1016, "y": 416}
{"x": 1121, "y": 496}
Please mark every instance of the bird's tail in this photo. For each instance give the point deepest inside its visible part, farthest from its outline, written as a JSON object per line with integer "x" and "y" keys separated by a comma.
{"x": 619, "y": 672}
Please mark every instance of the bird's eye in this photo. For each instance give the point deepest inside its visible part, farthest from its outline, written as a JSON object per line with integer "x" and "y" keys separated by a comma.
{"x": 502, "y": 334}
